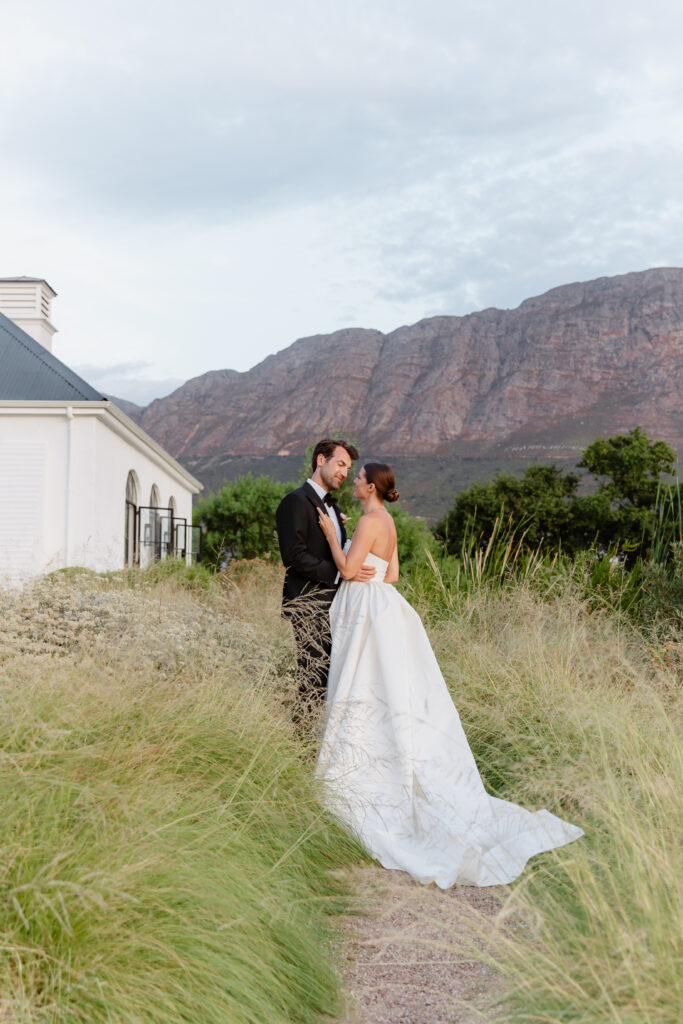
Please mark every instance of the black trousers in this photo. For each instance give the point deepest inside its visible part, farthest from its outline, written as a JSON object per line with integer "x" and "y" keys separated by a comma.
{"x": 310, "y": 618}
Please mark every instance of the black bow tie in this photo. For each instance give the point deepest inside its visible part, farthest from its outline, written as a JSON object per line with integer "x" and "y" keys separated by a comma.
{"x": 329, "y": 500}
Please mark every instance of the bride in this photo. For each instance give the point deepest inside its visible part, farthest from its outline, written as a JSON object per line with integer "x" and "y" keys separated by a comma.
{"x": 394, "y": 759}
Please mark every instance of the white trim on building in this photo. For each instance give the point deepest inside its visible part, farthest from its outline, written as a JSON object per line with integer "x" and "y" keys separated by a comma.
{"x": 64, "y": 472}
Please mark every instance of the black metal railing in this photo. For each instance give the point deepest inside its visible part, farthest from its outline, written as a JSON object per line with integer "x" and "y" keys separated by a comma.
{"x": 160, "y": 534}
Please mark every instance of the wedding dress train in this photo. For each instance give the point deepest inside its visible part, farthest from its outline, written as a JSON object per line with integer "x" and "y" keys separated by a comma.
{"x": 395, "y": 762}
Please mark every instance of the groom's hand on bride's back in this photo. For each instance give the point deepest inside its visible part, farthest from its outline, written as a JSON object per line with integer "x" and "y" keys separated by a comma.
{"x": 365, "y": 573}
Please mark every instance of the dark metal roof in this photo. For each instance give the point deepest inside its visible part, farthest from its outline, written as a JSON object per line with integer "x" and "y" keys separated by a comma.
{"x": 29, "y": 373}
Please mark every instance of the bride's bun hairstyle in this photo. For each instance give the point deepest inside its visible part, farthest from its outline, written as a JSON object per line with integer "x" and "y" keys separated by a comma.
{"x": 382, "y": 476}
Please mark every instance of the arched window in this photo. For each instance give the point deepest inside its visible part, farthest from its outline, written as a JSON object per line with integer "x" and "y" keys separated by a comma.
{"x": 156, "y": 528}
{"x": 132, "y": 487}
{"x": 166, "y": 530}
{"x": 130, "y": 539}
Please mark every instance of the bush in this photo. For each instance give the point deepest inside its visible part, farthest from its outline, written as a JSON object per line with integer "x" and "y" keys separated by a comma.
{"x": 661, "y": 604}
{"x": 538, "y": 507}
{"x": 414, "y": 538}
{"x": 239, "y": 520}
{"x": 544, "y": 509}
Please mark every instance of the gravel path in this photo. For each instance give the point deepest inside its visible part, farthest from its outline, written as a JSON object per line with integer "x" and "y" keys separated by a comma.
{"x": 402, "y": 962}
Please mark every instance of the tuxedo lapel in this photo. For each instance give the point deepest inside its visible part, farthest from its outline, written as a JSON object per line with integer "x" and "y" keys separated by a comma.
{"x": 319, "y": 503}
{"x": 313, "y": 497}
{"x": 343, "y": 529}
{"x": 334, "y": 509}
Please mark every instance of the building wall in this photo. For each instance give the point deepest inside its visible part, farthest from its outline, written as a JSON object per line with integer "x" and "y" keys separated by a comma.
{"x": 63, "y": 474}
{"x": 115, "y": 458}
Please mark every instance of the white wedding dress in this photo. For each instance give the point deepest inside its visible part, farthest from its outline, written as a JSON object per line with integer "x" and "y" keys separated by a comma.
{"x": 394, "y": 760}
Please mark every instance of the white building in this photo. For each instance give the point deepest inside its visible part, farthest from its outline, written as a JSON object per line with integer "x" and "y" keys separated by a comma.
{"x": 80, "y": 483}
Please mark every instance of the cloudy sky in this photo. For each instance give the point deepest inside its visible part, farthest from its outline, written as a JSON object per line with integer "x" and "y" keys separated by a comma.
{"x": 202, "y": 184}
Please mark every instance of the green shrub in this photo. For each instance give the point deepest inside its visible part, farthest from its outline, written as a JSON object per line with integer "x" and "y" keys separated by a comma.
{"x": 239, "y": 520}
{"x": 414, "y": 539}
{"x": 544, "y": 509}
{"x": 661, "y": 604}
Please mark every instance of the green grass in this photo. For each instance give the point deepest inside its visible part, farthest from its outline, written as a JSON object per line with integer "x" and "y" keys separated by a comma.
{"x": 164, "y": 854}
{"x": 571, "y": 705}
{"x": 568, "y": 707}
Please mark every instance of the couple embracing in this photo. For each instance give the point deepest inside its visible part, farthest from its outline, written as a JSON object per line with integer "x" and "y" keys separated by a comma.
{"x": 394, "y": 760}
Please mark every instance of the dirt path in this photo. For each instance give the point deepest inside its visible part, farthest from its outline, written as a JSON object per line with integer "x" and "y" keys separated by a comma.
{"x": 402, "y": 964}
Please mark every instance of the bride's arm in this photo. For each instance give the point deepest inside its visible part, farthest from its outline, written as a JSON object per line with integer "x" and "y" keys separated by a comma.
{"x": 361, "y": 542}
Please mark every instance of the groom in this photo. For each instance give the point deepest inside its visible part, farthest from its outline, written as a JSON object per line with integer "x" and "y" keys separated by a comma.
{"x": 311, "y": 577}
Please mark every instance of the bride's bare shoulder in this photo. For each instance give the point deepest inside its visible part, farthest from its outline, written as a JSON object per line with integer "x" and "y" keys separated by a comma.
{"x": 378, "y": 520}
{"x": 380, "y": 531}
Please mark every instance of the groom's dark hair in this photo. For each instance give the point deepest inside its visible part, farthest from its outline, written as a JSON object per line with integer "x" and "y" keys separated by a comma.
{"x": 326, "y": 447}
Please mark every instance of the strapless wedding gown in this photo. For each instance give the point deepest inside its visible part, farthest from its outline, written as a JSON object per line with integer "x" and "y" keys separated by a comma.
{"x": 394, "y": 760}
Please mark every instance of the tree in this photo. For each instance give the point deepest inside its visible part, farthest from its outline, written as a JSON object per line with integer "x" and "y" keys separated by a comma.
{"x": 240, "y": 518}
{"x": 545, "y": 507}
{"x": 631, "y": 467}
{"x": 540, "y": 505}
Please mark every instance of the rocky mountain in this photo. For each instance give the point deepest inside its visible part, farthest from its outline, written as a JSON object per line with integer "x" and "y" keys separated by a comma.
{"x": 579, "y": 361}
{"x": 131, "y": 409}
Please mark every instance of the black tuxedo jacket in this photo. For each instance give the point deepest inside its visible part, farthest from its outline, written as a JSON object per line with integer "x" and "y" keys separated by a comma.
{"x": 303, "y": 546}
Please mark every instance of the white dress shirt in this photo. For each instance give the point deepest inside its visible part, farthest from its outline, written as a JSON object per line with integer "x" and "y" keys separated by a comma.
{"x": 322, "y": 493}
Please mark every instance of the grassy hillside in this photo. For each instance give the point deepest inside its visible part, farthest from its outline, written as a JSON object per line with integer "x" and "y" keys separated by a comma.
{"x": 164, "y": 854}
{"x": 568, "y": 707}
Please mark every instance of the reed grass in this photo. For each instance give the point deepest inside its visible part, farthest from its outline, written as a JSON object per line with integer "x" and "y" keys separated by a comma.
{"x": 569, "y": 708}
{"x": 668, "y": 521}
{"x": 568, "y": 704}
{"x": 164, "y": 854}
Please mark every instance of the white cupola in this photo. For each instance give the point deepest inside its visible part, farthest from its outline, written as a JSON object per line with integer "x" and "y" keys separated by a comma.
{"x": 27, "y": 301}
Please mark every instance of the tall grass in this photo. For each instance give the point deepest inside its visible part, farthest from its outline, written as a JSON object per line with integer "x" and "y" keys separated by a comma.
{"x": 164, "y": 856}
{"x": 437, "y": 584}
{"x": 668, "y": 525}
{"x": 661, "y": 604}
{"x": 568, "y": 708}
{"x": 569, "y": 705}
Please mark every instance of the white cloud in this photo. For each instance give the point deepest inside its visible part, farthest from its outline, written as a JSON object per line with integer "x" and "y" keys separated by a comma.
{"x": 203, "y": 186}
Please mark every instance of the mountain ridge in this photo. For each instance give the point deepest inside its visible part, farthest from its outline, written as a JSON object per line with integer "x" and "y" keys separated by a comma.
{"x": 582, "y": 359}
